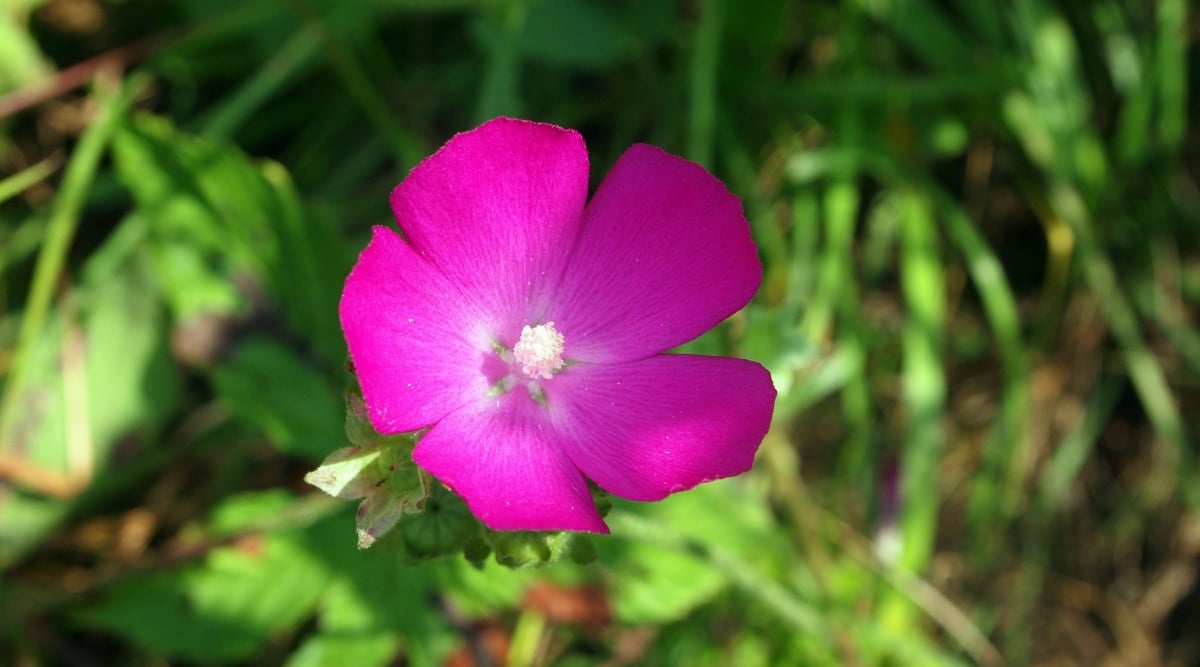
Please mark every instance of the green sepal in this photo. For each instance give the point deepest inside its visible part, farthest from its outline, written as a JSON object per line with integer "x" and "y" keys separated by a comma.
{"x": 476, "y": 551}
{"x": 402, "y": 491}
{"x": 432, "y": 520}
{"x": 377, "y": 468}
{"x": 360, "y": 432}
{"x": 347, "y": 473}
{"x": 526, "y": 549}
{"x": 520, "y": 548}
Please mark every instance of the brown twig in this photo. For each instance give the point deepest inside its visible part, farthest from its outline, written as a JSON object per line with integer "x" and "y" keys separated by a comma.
{"x": 76, "y": 76}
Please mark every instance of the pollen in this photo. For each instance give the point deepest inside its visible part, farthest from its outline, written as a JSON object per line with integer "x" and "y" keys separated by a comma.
{"x": 539, "y": 351}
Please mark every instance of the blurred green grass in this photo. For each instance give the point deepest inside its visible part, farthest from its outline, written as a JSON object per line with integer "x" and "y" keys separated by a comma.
{"x": 979, "y": 228}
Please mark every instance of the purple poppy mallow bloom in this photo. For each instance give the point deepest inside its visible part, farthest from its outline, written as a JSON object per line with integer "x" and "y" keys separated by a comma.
{"x": 525, "y": 327}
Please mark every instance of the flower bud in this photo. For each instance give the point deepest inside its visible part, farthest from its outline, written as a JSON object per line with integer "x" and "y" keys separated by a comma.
{"x": 443, "y": 528}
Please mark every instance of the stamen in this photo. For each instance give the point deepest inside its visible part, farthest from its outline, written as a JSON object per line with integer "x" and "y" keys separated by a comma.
{"x": 539, "y": 351}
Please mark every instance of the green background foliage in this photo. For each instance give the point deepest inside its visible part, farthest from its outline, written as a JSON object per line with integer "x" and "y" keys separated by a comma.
{"x": 979, "y": 227}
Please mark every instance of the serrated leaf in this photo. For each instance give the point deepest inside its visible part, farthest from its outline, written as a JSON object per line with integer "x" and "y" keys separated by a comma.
{"x": 224, "y": 610}
{"x": 662, "y": 583}
{"x": 376, "y": 600}
{"x": 269, "y": 386}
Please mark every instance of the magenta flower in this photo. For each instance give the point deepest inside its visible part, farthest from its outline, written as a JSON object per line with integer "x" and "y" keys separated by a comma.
{"x": 527, "y": 332}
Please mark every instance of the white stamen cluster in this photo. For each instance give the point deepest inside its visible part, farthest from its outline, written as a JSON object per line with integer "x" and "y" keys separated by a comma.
{"x": 539, "y": 351}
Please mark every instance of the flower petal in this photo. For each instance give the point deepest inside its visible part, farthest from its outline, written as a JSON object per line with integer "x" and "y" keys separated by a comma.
{"x": 411, "y": 337}
{"x": 664, "y": 255}
{"x": 497, "y": 210}
{"x": 645, "y": 429}
{"x": 508, "y": 465}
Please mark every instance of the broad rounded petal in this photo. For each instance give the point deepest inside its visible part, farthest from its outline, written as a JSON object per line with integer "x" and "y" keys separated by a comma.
{"x": 508, "y": 465}
{"x": 497, "y": 210}
{"x": 412, "y": 337}
{"x": 645, "y": 429}
{"x": 664, "y": 255}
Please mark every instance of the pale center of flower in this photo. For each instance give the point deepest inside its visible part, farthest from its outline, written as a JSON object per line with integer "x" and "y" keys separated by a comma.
{"x": 539, "y": 352}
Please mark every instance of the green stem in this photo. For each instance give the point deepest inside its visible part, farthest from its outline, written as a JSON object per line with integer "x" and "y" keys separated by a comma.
{"x": 997, "y": 494}
{"x": 923, "y": 391}
{"x": 358, "y": 84}
{"x": 1145, "y": 372}
{"x": 706, "y": 55}
{"x": 27, "y": 178}
{"x": 255, "y": 90}
{"x": 60, "y": 230}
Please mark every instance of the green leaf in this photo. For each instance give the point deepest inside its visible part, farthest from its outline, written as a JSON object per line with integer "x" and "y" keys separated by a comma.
{"x": 292, "y": 403}
{"x": 335, "y": 648}
{"x": 225, "y": 226}
{"x": 101, "y": 375}
{"x": 226, "y": 609}
{"x": 661, "y": 585}
{"x": 248, "y": 510}
{"x": 21, "y": 61}
{"x": 660, "y": 582}
{"x": 376, "y": 605}
{"x": 25, "y": 520}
